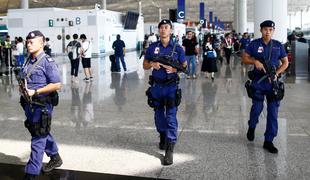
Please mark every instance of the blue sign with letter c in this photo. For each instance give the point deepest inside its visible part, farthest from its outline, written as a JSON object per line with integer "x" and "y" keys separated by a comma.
{"x": 181, "y": 9}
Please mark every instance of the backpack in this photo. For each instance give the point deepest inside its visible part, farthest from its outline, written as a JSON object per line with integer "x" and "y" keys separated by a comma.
{"x": 73, "y": 53}
{"x": 211, "y": 54}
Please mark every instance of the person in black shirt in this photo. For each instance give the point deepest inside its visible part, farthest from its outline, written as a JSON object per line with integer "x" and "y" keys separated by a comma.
{"x": 73, "y": 49}
{"x": 301, "y": 38}
{"x": 119, "y": 48}
{"x": 191, "y": 50}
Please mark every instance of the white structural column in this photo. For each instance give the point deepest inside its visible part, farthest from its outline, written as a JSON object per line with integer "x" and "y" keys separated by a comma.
{"x": 104, "y": 4}
{"x": 24, "y": 4}
{"x": 236, "y": 16}
{"x": 159, "y": 13}
{"x": 301, "y": 19}
{"x": 242, "y": 17}
{"x": 140, "y": 8}
{"x": 275, "y": 10}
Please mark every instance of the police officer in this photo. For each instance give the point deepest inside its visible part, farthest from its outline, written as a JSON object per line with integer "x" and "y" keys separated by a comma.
{"x": 164, "y": 88}
{"x": 271, "y": 51}
{"x": 8, "y": 51}
{"x": 42, "y": 81}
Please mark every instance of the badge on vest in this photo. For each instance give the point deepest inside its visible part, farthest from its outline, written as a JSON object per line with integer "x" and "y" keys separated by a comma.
{"x": 260, "y": 49}
{"x": 156, "y": 51}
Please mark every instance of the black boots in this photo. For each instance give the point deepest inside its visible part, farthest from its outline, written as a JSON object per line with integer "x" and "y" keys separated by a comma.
{"x": 168, "y": 159}
{"x": 29, "y": 177}
{"x": 53, "y": 163}
{"x": 251, "y": 134}
{"x": 268, "y": 145}
{"x": 162, "y": 142}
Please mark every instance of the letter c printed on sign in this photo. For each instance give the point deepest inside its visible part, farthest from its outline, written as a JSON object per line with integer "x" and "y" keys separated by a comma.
{"x": 181, "y": 14}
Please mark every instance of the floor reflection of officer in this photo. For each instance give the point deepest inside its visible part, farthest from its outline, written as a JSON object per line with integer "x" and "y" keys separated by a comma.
{"x": 42, "y": 80}
{"x": 209, "y": 93}
{"x": 271, "y": 51}
{"x": 164, "y": 89}
{"x": 76, "y": 105}
{"x": 88, "y": 108}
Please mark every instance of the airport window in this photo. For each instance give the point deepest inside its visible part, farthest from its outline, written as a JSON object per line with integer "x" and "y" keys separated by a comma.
{"x": 68, "y": 36}
{"x": 59, "y": 37}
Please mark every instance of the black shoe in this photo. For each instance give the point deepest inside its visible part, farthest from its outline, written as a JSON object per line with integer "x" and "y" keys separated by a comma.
{"x": 52, "y": 164}
{"x": 251, "y": 134}
{"x": 212, "y": 78}
{"x": 86, "y": 79}
{"x": 168, "y": 159}
{"x": 29, "y": 177}
{"x": 162, "y": 142}
{"x": 270, "y": 147}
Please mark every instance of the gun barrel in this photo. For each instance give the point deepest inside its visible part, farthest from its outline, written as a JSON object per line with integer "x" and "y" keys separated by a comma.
{"x": 169, "y": 62}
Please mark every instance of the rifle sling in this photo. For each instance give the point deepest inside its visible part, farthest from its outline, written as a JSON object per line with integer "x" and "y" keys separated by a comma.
{"x": 34, "y": 65}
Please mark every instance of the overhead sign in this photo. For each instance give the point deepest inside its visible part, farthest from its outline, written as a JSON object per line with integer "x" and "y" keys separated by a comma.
{"x": 202, "y": 11}
{"x": 181, "y": 9}
{"x": 211, "y": 17}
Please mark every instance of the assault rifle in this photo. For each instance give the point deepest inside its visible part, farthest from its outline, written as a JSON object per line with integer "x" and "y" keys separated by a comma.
{"x": 22, "y": 86}
{"x": 271, "y": 74}
{"x": 167, "y": 60}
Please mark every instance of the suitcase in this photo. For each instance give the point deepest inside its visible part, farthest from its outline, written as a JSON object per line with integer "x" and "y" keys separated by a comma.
{"x": 113, "y": 63}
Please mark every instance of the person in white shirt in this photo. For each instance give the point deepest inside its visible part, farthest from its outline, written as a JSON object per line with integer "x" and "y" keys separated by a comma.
{"x": 86, "y": 51}
{"x": 152, "y": 38}
{"x": 20, "y": 49}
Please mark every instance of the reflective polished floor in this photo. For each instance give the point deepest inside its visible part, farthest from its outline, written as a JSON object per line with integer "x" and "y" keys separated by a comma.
{"x": 106, "y": 126}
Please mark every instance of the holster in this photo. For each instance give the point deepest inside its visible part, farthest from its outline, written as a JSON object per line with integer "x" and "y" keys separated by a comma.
{"x": 249, "y": 88}
{"x": 22, "y": 102}
{"x": 52, "y": 98}
{"x": 278, "y": 93}
{"x": 41, "y": 128}
{"x": 169, "y": 103}
{"x": 150, "y": 99}
{"x": 251, "y": 75}
{"x": 178, "y": 97}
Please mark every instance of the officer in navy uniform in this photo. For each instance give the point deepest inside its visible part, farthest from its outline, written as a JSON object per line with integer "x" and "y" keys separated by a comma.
{"x": 260, "y": 49}
{"x": 42, "y": 81}
{"x": 164, "y": 91}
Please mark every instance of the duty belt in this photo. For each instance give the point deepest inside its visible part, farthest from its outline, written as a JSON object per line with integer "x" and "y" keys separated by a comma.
{"x": 153, "y": 80}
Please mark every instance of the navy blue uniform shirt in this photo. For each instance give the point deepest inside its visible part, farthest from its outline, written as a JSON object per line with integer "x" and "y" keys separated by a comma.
{"x": 157, "y": 49}
{"x": 259, "y": 50}
{"x": 118, "y": 46}
{"x": 45, "y": 72}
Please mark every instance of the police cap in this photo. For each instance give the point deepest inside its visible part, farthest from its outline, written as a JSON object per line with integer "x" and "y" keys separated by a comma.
{"x": 164, "y": 21}
{"x": 35, "y": 34}
{"x": 267, "y": 23}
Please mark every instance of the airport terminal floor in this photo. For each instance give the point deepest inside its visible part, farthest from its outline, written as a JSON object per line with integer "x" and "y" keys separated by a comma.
{"x": 105, "y": 129}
